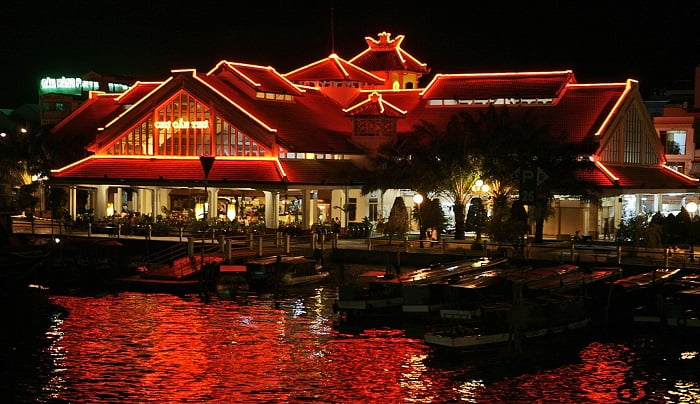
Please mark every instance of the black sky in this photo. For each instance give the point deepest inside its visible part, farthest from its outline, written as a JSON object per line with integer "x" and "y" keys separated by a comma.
{"x": 655, "y": 43}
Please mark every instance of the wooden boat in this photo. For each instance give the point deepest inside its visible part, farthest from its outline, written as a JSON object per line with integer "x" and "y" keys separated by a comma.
{"x": 380, "y": 292}
{"x": 452, "y": 288}
{"x": 232, "y": 281}
{"x": 283, "y": 271}
{"x": 501, "y": 323}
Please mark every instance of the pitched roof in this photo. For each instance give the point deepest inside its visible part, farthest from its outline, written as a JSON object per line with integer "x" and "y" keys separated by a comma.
{"x": 386, "y": 54}
{"x": 534, "y": 85}
{"x": 321, "y": 172}
{"x": 264, "y": 171}
{"x": 151, "y": 169}
{"x": 261, "y": 78}
{"x": 333, "y": 68}
{"x": 374, "y": 105}
{"x": 636, "y": 177}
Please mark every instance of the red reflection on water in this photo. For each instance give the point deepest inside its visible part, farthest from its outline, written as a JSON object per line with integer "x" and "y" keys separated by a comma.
{"x": 160, "y": 348}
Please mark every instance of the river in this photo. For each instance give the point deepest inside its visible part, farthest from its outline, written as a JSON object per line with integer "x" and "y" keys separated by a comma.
{"x": 128, "y": 347}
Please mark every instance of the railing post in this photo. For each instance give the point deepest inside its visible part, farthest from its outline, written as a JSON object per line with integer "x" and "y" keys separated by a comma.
{"x": 190, "y": 246}
{"x": 369, "y": 242}
{"x": 227, "y": 250}
{"x": 250, "y": 240}
{"x": 619, "y": 255}
{"x": 666, "y": 257}
{"x": 89, "y": 230}
{"x": 288, "y": 244}
{"x": 260, "y": 246}
{"x": 119, "y": 230}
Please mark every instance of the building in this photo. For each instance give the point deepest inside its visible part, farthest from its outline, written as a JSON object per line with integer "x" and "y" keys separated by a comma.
{"x": 289, "y": 148}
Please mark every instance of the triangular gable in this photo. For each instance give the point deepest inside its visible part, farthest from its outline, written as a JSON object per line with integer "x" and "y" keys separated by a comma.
{"x": 333, "y": 68}
{"x": 627, "y": 136}
{"x": 375, "y": 105}
{"x": 189, "y": 83}
{"x": 183, "y": 126}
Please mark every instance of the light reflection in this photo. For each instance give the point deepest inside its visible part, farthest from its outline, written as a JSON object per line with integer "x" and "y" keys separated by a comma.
{"x": 689, "y": 355}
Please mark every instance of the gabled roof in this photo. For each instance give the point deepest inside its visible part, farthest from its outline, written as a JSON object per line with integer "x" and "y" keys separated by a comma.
{"x": 636, "y": 177}
{"x": 386, "y": 54}
{"x": 296, "y": 123}
{"x": 261, "y": 78}
{"x": 498, "y": 85}
{"x": 374, "y": 105}
{"x": 333, "y": 68}
{"x": 81, "y": 124}
{"x": 580, "y": 112}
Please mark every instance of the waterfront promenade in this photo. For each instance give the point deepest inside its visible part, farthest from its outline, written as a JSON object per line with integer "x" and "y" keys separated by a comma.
{"x": 598, "y": 252}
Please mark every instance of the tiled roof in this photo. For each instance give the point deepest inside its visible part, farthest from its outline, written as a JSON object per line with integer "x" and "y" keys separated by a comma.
{"x": 86, "y": 119}
{"x": 497, "y": 85}
{"x": 333, "y": 68}
{"x": 261, "y": 78}
{"x": 110, "y": 169}
{"x": 386, "y": 54}
{"x": 636, "y": 177}
{"x": 375, "y": 105}
{"x": 321, "y": 172}
{"x": 579, "y": 113}
{"x": 297, "y": 122}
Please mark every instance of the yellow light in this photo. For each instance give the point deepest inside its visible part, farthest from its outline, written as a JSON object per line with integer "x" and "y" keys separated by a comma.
{"x": 110, "y": 209}
{"x": 231, "y": 211}
{"x": 691, "y": 207}
{"x": 417, "y": 199}
{"x": 199, "y": 210}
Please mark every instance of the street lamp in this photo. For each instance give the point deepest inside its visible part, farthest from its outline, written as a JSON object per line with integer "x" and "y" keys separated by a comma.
{"x": 418, "y": 199}
{"x": 691, "y": 207}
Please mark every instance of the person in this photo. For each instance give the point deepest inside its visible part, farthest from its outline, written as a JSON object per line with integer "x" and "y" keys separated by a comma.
{"x": 606, "y": 229}
{"x": 434, "y": 237}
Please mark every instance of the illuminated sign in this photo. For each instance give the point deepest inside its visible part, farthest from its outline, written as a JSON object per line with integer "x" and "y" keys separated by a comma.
{"x": 75, "y": 85}
{"x": 182, "y": 124}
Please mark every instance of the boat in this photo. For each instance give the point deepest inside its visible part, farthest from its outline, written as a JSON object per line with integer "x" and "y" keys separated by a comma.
{"x": 232, "y": 281}
{"x": 676, "y": 304}
{"x": 283, "y": 271}
{"x": 631, "y": 296}
{"x": 380, "y": 292}
{"x": 447, "y": 287}
{"x": 502, "y": 323}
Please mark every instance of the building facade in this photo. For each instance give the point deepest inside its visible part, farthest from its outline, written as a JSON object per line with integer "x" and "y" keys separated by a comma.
{"x": 291, "y": 148}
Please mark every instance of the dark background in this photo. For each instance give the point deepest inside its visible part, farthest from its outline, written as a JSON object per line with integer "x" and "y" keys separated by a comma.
{"x": 656, "y": 43}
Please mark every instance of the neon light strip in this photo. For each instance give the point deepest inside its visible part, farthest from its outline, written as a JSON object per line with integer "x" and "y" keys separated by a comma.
{"x": 615, "y": 109}
{"x": 606, "y": 171}
{"x": 687, "y": 177}
{"x": 251, "y": 116}
{"x": 441, "y": 76}
{"x": 143, "y": 99}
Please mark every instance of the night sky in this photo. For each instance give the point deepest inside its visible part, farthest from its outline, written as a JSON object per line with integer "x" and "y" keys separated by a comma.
{"x": 656, "y": 43}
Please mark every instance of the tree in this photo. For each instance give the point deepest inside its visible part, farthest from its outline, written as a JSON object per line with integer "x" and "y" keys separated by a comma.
{"x": 477, "y": 217}
{"x": 397, "y": 224}
{"x": 509, "y": 140}
{"x": 430, "y": 161}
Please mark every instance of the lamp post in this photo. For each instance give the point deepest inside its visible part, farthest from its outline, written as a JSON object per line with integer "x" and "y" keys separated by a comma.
{"x": 418, "y": 199}
{"x": 207, "y": 162}
{"x": 691, "y": 207}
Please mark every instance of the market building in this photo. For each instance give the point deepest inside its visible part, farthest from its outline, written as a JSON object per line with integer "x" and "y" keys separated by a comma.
{"x": 290, "y": 148}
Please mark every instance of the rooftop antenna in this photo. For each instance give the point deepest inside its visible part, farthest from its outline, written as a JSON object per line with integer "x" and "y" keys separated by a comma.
{"x": 332, "y": 33}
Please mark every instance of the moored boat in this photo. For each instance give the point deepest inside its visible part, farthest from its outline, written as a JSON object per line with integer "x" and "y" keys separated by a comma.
{"x": 500, "y": 323}
{"x": 282, "y": 271}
